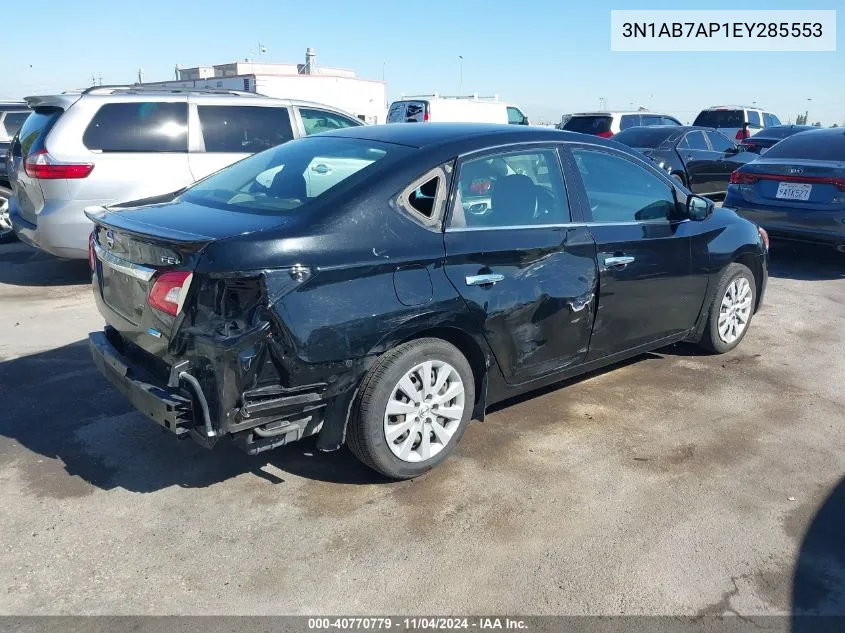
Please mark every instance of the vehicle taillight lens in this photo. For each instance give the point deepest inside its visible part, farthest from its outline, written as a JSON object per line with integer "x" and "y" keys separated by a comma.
{"x": 42, "y": 166}
{"x": 607, "y": 134}
{"x": 92, "y": 256}
{"x": 166, "y": 293}
{"x": 741, "y": 178}
{"x": 742, "y": 134}
{"x": 763, "y": 236}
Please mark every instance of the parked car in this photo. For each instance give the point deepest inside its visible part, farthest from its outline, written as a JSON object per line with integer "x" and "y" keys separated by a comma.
{"x": 796, "y": 190}
{"x": 374, "y": 308}
{"x": 108, "y": 145}
{"x": 737, "y": 122}
{"x": 606, "y": 124}
{"x": 12, "y": 116}
{"x": 466, "y": 109}
{"x": 766, "y": 138}
{"x": 698, "y": 158}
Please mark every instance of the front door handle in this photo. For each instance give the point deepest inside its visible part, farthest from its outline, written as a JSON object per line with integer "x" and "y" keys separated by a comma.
{"x": 618, "y": 261}
{"x": 484, "y": 280}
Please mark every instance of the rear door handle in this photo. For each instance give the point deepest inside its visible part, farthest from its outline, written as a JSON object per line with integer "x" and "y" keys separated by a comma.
{"x": 484, "y": 280}
{"x": 618, "y": 261}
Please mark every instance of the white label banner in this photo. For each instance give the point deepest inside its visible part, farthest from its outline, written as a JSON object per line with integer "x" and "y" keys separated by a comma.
{"x": 722, "y": 30}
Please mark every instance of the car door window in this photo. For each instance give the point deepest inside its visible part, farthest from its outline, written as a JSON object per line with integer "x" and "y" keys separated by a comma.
{"x": 243, "y": 129}
{"x": 629, "y": 120}
{"x": 619, "y": 190}
{"x": 754, "y": 119}
{"x": 515, "y": 117}
{"x": 719, "y": 142}
{"x": 694, "y": 140}
{"x": 513, "y": 189}
{"x": 668, "y": 121}
{"x": 316, "y": 121}
{"x": 145, "y": 126}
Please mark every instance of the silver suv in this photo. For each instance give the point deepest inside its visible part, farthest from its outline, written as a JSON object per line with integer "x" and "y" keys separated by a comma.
{"x": 108, "y": 145}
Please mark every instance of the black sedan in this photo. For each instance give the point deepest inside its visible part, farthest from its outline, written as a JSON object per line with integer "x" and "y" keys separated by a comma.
{"x": 381, "y": 286}
{"x": 767, "y": 137}
{"x": 701, "y": 159}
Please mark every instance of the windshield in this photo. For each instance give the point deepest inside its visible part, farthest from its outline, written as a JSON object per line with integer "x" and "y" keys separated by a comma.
{"x": 720, "y": 118}
{"x": 589, "y": 124}
{"x": 811, "y": 146}
{"x": 650, "y": 137}
{"x": 284, "y": 179}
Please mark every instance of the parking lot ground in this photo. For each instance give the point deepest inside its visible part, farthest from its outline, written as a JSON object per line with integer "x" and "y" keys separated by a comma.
{"x": 677, "y": 483}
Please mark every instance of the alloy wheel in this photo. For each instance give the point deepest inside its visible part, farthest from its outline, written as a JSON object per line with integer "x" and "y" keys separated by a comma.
{"x": 735, "y": 310}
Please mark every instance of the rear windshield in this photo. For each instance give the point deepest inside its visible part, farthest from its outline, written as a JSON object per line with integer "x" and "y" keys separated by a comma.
{"x": 34, "y": 129}
{"x": 782, "y": 132}
{"x": 811, "y": 146}
{"x": 13, "y": 121}
{"x": 720, "y": 118}
{"x": 589, "y": 124}
{"x": 407, "y": 112}
{"x": 284, "y": 179}
{"x": 645, "y": 136}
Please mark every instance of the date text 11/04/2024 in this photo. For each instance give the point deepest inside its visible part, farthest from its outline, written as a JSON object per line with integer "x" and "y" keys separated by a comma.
{"x": 417, "y": 623}
{"x": 722, "y": 29}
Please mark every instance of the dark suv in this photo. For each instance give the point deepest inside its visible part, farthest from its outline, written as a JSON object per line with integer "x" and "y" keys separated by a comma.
{"x": 12, "y": 116}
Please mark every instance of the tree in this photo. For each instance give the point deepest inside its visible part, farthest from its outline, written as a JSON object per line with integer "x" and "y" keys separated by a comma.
{"x": 801, "y": 119}
{"x": 835, "y": 125}
{"x": 817, "y": 124}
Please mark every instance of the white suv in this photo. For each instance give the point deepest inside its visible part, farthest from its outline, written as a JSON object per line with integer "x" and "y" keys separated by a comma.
{"x": 606, "y": 124}
{"x": 736, "y": 122}
{"x": 109, "y": 145}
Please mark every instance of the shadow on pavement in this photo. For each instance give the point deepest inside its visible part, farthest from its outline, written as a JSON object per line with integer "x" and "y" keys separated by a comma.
{"x": 805, "y": 262}
{"x": 57, "y": 404}
{"x": 818, "y": 583}
{"x": 23, "y": 265}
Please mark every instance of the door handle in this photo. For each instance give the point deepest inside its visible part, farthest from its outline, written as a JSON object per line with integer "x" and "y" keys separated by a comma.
{"x": 484, "y": 280}
{"x": 618, "y": 261}
{"x": 321, "y": 169}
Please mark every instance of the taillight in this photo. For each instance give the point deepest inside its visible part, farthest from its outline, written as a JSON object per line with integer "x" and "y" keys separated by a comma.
{"x": 168, "y": 291}
{"x": 763, "y": 236}
{"x": 742, "y": 134}
{"x": 425, "y": 117}
{"x": 607, "y": 134}
{"x": 42, "y": 166}
{"x": 741, "y": 178}
{"x": 92, "y": 256}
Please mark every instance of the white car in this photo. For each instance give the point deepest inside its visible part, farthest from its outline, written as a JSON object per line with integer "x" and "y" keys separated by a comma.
{"x": 440, "y": 109}
{"x": 606, "y": 124}
{"x": 736, "y": 122}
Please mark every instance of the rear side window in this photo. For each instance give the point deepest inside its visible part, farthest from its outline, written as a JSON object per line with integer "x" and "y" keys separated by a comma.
{"x": 589, "y": 124}
{"x": 719, "y": 142}
{"x": 810, "y": 145}
{"x": 754, "y": 119}
{"x": 694, "y": 140}
{"x": 34, "y": 130}
{"x": 316, "y": 121}
{"x": 632, "y": 120}
{"x": 13, "y": 122}
{"x": 243, "y": 129}
{"x": 720, "y": 118}
{"x": 139, "y": 127}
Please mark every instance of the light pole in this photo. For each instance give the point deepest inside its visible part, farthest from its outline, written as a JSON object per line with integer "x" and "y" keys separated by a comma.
{"x": 461, "y": 76}
{"x": 807, "y": 112}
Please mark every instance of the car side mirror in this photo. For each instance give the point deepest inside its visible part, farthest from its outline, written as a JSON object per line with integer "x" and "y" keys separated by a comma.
{"x": 699, "y": 208}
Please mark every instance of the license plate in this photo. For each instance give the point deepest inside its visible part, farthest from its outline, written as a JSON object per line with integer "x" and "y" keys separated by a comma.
{"x": 793, "y": 191}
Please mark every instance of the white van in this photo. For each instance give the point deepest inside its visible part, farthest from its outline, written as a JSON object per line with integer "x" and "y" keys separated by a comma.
{"x": 441, "y": 109}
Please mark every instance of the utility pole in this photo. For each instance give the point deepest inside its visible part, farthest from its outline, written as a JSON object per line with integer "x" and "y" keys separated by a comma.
{"x": 461, "y": 76}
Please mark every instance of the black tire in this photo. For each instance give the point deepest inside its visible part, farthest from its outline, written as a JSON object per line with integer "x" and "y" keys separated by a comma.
{"x": 679, "y": 179}
{"x": 366, "y": 433}
{"x": 710, "y": 340}
{"x": 6, "y": 236}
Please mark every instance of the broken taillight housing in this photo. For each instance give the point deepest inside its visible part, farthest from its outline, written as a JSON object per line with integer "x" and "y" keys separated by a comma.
{"x": 168, "y": 292}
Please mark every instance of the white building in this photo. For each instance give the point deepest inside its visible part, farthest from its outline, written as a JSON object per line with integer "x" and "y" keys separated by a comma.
{"x": 338, "y": 87}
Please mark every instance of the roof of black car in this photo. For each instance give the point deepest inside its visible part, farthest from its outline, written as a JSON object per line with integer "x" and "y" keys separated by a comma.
{"x": 428, "y": 134}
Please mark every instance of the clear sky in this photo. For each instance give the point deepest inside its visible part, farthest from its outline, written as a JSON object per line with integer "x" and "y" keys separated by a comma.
{"x": 549, "y": 56}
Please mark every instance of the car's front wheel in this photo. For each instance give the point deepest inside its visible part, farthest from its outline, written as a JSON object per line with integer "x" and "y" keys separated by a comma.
{"x": 413, "y": 408}
{"x": 6, "y": 232}
{"x": 731, "y": 310}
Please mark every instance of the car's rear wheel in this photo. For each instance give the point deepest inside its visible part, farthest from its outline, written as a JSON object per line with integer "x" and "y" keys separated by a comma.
{"x": 413, "y": 408}
{"x": 6, "y": 232}
{"x": 731, "y": 310}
